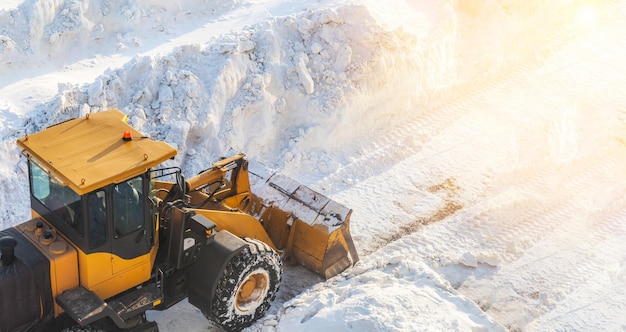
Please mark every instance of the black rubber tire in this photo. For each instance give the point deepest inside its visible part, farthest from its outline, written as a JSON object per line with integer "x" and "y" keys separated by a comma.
{"x": 256, "y": 261}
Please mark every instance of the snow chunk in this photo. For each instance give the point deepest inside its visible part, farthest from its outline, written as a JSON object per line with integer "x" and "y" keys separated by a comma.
{"x": 471, "y": 260}
{"x": 301, "y": 61}
{"x": 344, "y": 57}
{"x": 468, "y": 260}
{"x": 7, "y": 44}
{"x": 316, "y": 48}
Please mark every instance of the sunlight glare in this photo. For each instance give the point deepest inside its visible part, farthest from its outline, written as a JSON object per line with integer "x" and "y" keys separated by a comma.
{"x": 586, "y": 15}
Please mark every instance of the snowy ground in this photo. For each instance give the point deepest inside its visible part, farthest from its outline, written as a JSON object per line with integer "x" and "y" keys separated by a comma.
{"x": 480, "y": 144}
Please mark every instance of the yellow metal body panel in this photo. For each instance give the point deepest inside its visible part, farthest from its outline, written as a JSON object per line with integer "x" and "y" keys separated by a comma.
{"x": 102, "y": 273}
{"x": 239, "y": 223}
{"x": 106, "y": 274}
{"x": 88, "y": 153}
{"x": 62, "y": 257}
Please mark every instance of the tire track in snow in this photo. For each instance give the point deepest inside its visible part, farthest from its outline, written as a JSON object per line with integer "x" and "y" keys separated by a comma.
{"x": 553, "y": 234}
{"x": 544, "y": 277}
{"x": 540, "y": 176}
{"x": 545, "y": 214}
{"x": 495, "y": 224}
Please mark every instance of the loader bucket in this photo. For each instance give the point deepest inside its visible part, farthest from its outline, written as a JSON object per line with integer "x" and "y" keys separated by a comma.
{"x": 312, "y": 229}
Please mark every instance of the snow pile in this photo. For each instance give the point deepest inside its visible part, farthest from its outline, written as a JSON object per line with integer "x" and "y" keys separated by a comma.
{"x": 14, "y": 203}
{"x": 38, "y": 32}
{"x": 386, "y": 291}
{"x": 276, "y": 90}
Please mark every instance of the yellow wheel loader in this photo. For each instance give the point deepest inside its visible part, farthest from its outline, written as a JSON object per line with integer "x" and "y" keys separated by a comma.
{"x": 114, "y": 234}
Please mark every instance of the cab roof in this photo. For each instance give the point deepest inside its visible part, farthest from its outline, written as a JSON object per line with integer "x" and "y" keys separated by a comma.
{"x": 88, "y": 153}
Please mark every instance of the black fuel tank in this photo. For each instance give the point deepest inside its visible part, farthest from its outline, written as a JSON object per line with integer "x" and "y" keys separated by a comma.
{"x": 26, "y": 302}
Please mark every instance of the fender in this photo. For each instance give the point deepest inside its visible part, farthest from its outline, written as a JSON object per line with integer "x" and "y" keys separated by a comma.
{"x": 209, "y": 267}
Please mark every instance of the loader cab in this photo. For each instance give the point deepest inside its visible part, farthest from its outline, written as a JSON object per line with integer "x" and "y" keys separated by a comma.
{"x": 113, "y": 228}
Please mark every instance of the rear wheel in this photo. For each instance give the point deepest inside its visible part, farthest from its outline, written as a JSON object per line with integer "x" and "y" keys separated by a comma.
{"x": 247, "y": 287}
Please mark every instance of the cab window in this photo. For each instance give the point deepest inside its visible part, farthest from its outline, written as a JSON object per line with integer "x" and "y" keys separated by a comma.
{"x": 96, "y": 210}
{"x": 128, "y": 213}
{"x": 61, "y": 201}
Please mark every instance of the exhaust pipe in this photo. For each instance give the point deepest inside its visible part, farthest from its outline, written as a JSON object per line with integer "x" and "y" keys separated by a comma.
{"x": 7, "y": 247}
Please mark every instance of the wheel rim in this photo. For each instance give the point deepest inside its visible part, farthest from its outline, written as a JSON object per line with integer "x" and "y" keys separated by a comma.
{"x": 252, "y": 291}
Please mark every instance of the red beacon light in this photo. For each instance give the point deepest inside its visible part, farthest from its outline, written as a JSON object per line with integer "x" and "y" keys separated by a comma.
{"x": 127, "y": 136}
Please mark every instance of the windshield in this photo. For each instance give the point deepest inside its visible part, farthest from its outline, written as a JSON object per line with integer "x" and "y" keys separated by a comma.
{"x": 61, "y": 201}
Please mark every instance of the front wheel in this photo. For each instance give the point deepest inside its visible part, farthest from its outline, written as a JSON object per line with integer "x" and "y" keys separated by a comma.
{"x": 247, "y": 287}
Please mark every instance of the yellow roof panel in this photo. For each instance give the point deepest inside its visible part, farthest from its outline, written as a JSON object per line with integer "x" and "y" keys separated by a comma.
{"x": 88, "y": 153}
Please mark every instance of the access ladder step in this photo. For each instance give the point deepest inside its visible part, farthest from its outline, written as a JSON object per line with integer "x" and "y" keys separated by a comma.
{"x": 83, "y": 306}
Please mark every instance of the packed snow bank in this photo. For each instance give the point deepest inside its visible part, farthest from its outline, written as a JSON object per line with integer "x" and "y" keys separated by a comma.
{"x": 48, "y": 43}
{"x": 14, "y": 203}
{"x": 38, "y": 32}
{"x": 386, "y": 291}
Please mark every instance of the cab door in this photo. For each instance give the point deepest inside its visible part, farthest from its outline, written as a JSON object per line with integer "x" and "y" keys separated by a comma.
{"x": 130, "y": 243}
{"x": 118, "y": 256}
